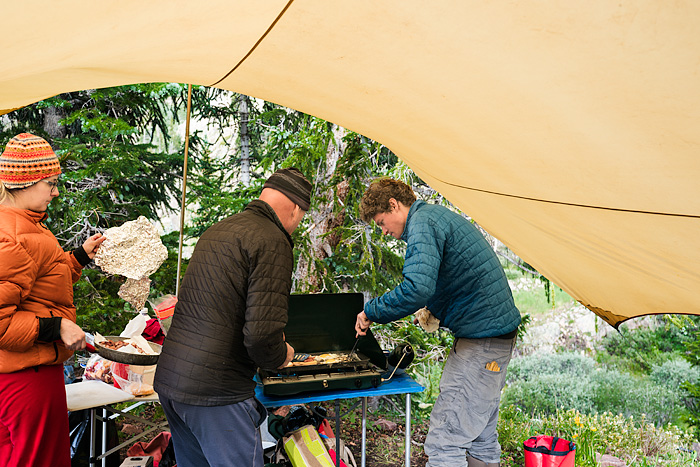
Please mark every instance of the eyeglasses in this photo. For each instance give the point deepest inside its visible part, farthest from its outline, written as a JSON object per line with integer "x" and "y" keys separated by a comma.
{"x": 52, "y": 183}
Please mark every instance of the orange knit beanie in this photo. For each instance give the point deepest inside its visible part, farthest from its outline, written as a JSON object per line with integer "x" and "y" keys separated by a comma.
{"x": 26, "y": 160}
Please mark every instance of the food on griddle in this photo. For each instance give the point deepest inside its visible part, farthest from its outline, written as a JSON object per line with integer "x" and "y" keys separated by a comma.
{"x": 331, "y": 358}
{"x": 117, "y": 345}
{"x": 309, "y": 361}
{"x": 325, "y": 358}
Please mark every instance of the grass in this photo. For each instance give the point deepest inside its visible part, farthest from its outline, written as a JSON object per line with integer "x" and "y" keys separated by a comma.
{"x": 533, "y": 301}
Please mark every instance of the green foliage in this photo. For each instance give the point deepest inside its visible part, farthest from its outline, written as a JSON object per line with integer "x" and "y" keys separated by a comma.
{"x": 111, "y": 185}
{"x": 99, "y": 307}
{"x": 692, "y": 387}
{"x": 539, "y": 303}
{"x": 675, "y": 372}
{"x": 545, "y": 384}
{"x": 430, "y": 349}
{"x": 213, "y": 200}
{"x": 632, "y": 439}
{"x": 163, "y": 281}
{"x": 514, "y": 427}
{"x": 573, "y": 365}
{"x": 110, "y": 175}
{"x": 636, "y": 396}
{"x": 548, "y": 393}
{"x": 115, "y": 148}
{"x": 638, "y": 350}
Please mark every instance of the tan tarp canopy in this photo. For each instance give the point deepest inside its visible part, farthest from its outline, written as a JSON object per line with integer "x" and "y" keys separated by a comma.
{"x": 568, "y": 130}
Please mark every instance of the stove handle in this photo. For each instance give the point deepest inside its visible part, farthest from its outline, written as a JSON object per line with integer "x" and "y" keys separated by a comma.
{"x": 406, "y": 351}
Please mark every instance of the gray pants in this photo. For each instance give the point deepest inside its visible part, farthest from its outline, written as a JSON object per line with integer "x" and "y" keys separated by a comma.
{"x": 466, "y": 411}
{"x": 219, "y": 436}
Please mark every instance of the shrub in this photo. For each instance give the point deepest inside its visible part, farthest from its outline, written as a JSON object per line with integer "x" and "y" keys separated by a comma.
{"x": 431, "y": 350}
{"x": 673, "y": 373}
{"x": 572, "y": 364}
{"x": 545, "y": 384}
{"x": 548, "y": 393}
{"x": 628, "y": 395}
{"x": 613, "y": 392}
{"x": 514, "y": 427}
{"x": 629, "y": 438}
{"x": 638, "y": 350}
{"x": 632, "y": 439}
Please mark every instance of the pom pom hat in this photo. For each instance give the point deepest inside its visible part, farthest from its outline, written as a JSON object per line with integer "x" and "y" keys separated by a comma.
{"x": 26, "y": 160}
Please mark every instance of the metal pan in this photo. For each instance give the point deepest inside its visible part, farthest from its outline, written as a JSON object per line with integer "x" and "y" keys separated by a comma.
{"x": 128, "y": 358}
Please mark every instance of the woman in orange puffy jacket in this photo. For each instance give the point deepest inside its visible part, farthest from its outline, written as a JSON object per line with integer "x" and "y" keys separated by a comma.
{"x": 37, "y": 316}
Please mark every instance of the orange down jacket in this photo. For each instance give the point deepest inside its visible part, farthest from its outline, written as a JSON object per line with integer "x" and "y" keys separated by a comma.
{"x": 36, "y": 281}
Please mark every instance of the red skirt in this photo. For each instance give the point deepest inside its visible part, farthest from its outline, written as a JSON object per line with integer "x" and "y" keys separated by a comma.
{"x": 34, "y": 418}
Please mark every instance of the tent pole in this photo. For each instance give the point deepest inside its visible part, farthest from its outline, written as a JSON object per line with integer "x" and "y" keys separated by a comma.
{"x": 184, "y": 188}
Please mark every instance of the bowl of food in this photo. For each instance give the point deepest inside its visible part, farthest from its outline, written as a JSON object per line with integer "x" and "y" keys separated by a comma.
{"x": 128, "y": 350}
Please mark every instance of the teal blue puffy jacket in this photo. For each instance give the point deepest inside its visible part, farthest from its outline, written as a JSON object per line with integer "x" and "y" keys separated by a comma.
{"x": 451, "y": 269}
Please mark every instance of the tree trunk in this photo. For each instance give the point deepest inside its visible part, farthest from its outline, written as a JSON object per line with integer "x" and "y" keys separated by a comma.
{"x": 244, "y": 139}
{"x": 307, "y": 277}
{"x": 51, "y": 126}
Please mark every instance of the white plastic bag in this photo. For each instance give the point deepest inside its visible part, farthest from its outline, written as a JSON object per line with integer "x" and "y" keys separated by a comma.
{"x": 136, "y": 326}
{"x": 134, "y": 379}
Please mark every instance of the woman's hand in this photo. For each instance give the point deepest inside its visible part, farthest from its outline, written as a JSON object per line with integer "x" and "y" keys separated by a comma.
{"x": 72, "y": 336}
{"x": 92, "y": 244}
{"x": 362, "y": 324}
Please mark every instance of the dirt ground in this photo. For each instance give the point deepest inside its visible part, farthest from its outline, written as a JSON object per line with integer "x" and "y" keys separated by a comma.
{"x": 385, "y": 441}
{"x": 385, "y": 446}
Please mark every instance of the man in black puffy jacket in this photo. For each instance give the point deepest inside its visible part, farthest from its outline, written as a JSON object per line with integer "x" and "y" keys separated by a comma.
{"x": 229, "y": 321}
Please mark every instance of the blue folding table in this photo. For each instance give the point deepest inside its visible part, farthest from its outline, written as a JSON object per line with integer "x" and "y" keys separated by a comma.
{"x": 400, "y": 383}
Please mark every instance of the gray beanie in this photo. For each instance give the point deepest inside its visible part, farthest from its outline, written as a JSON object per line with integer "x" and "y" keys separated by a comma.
{"x": 293, "y": 184}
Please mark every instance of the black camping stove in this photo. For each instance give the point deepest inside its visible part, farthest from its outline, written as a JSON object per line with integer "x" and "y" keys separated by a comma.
{"x": 276, "y": 384}
{"x": 325, "y": 324}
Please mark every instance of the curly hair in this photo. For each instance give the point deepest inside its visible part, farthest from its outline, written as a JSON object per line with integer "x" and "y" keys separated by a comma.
{"x": 376, "y": 198}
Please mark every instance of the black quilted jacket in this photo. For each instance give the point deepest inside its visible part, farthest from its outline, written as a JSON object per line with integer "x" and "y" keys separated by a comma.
{"x": 231, "y": 312}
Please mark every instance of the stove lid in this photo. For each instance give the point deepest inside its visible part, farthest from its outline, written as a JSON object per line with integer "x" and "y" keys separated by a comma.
{"x": 326, "y": 323}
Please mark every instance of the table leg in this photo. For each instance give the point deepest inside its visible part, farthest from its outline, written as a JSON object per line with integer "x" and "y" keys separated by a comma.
{"x": 93, "y": 435}
{"x": 337, "y": 432}
{"x": 104, "y": 436}
{"x": 363, "y": 459}
{"x": 408, "y": 430}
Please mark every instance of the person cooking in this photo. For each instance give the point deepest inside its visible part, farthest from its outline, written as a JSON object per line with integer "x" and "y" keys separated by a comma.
{"x": 229, "y": 320}
{"x": 37, "y": 316}
{"x": 449, "y": 268}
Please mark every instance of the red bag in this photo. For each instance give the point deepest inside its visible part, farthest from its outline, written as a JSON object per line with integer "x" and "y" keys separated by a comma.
{"x": 549, "y": 451}
{"x": 155, "y": 448}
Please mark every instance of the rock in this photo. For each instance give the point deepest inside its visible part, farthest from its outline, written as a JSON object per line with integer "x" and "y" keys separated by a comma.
{"x": 130, "y": 430}
{"x": 569, "y": 327}
{"x": 385, "y": 425}
{"x": 607, "y": 460}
